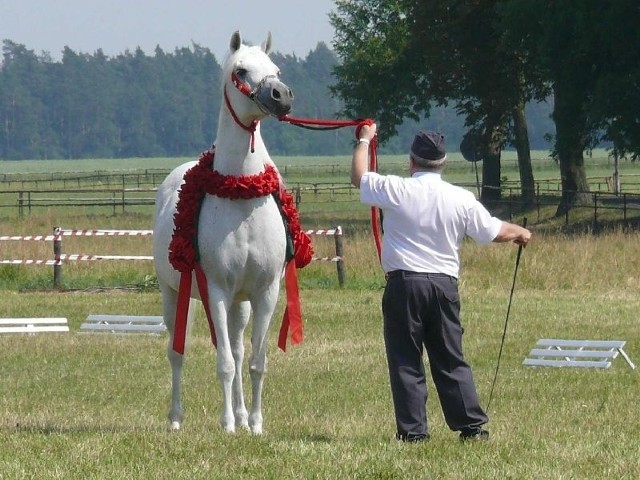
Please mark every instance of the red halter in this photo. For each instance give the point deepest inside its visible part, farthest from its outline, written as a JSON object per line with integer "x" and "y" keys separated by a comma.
{"x": 248, "y": 92}
{"x": 244, "y": 89}
{"x": 251, "y": 128}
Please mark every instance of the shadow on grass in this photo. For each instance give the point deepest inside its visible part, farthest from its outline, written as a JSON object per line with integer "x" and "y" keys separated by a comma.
{"x": 51, "y": 429}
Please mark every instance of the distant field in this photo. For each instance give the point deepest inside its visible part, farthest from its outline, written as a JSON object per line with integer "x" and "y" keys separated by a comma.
{"x": 125, "y": 186}
{"x": 598, "y": 164}
{"x": 111, "y": 164}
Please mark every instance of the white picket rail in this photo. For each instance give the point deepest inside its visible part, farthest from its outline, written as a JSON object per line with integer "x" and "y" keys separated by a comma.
{"x": 33, "y": 325}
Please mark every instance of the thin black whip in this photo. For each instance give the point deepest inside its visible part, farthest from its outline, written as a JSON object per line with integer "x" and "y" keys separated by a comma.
{"x": 506, "y": 321}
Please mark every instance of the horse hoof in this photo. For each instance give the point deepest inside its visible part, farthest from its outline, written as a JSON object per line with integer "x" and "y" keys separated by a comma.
{"x": 175, "y": 426}
{"x": 255, "y": 423}
{"x": 228, "y": 427}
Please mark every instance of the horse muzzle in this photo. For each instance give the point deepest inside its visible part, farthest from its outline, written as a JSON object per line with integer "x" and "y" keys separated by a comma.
{"x": 273, "y": 97}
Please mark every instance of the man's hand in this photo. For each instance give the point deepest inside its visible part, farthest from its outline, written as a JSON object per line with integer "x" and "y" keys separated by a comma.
{"x": 510, "y": 232}
{"x": 359, "y": 164}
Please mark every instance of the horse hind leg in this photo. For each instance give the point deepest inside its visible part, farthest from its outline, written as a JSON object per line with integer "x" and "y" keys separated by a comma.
{"x": 238, "y": 321}
{"x": 169, "y": 302}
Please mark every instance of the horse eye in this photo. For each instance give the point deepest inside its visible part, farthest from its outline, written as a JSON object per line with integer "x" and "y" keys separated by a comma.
{"x": 241, "y": 72}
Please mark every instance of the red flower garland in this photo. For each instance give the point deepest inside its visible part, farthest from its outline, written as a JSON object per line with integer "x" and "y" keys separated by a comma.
{"x": 201, "y": 179}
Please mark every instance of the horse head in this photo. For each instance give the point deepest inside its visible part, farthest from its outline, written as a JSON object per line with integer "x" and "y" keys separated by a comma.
{"x": 250, "y": 71}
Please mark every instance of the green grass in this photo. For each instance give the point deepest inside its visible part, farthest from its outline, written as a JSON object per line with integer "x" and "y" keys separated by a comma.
{"x": 94, "y": 406}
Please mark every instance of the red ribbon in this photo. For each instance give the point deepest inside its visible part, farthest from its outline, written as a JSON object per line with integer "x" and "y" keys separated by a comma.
{"x": 292, "y": 319}
{"x": 201, "y": 179}
{"x": 182, "y": 308}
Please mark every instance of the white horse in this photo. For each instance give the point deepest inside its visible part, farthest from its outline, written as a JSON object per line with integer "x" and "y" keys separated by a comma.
{"x": 241, "y": 242}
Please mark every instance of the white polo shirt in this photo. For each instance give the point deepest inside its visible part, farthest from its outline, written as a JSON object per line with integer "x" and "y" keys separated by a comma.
{"x": 425, "y": 220}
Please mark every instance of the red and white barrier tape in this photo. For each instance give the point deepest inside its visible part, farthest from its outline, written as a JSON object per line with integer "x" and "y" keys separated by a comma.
{"x": 29, "y": 262}
{"x": 119, "y": 233}
{"x": 327, "y": 259}
{"x": 124, "y": 233}
{"x": 330, "y": 231}
{"x": 79, "y": 233}
{"x": 79, "y": 257}
{"x": 76, "y": 257}
{"x": 46, "y": 238}
{"x": 104, "y": 233}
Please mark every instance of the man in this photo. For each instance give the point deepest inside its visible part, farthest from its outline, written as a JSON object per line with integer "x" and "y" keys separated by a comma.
{"x": 425, "y": 222}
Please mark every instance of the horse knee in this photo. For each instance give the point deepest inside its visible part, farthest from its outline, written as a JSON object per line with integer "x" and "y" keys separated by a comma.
{"x": 257, "y": 371}
{"x": 226, "y": 370}
{"x": 237, "y": 351}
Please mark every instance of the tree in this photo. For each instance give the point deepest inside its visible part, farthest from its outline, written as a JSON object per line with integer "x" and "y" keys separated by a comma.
{"x": 376, "y": 76}
{"x": 399, "y": 57}
{"x": 22, "y": 83}
{"x": 94, "y": 106}
{"x": 617, "y": 88}
{"x": 309, "y": 79}
{"x": 578, "y": 55}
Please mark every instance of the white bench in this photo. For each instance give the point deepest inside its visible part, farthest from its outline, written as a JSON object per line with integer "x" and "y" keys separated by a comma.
{"x": 123, "y": 324}
{"x": 576, "y": 353}
{"x": 33, "y": 325}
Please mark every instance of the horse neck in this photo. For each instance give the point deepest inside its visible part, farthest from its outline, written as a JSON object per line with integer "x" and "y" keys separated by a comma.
{"x": 233, "y": 152}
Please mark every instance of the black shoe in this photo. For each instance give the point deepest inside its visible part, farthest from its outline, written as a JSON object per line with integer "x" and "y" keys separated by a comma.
{"x": 477, "y": 434}
{"x": 412, "y": 437}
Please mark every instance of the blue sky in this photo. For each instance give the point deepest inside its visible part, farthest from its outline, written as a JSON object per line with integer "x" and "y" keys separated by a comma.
{"x": 118, "y": 25}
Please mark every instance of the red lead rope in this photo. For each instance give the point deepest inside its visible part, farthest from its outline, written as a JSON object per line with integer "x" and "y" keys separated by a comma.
{"x": 373, "y": 160}
{"x": 375, "y": 220}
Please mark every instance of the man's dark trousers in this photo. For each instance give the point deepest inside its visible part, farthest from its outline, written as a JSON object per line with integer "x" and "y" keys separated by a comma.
{"x": 423, "y": 309}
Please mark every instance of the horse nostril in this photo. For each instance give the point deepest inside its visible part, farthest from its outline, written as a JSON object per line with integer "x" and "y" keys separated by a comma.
{"x": 275, "y": 94}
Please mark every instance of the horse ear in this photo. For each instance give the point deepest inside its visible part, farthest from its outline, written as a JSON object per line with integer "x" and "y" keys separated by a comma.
{"x": 266, "y": 45}
{"x": 236, "y": 41}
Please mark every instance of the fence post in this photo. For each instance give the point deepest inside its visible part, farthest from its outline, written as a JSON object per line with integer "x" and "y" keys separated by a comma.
{"x": 510, "y": 204}
{"x": 20, "y": 204}
{"x": 595, "y": 212}
{"x": 298, "y": 196}
{"x": 57, "y": 251}
{"x": 340, "y": 255}
{"x": 538, "y": 199}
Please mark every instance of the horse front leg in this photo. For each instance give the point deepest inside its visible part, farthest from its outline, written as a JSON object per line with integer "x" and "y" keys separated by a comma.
{"x": 225, "y": 367}
{"x": 238, "y": 321}
{"x": 263, "y": 307}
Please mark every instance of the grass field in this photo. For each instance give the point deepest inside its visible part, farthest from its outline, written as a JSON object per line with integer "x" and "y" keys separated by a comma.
{"x": 93, "y": 406}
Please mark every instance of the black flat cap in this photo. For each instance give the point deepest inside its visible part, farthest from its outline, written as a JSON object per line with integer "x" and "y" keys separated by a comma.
{"x": 428, "y": 149}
